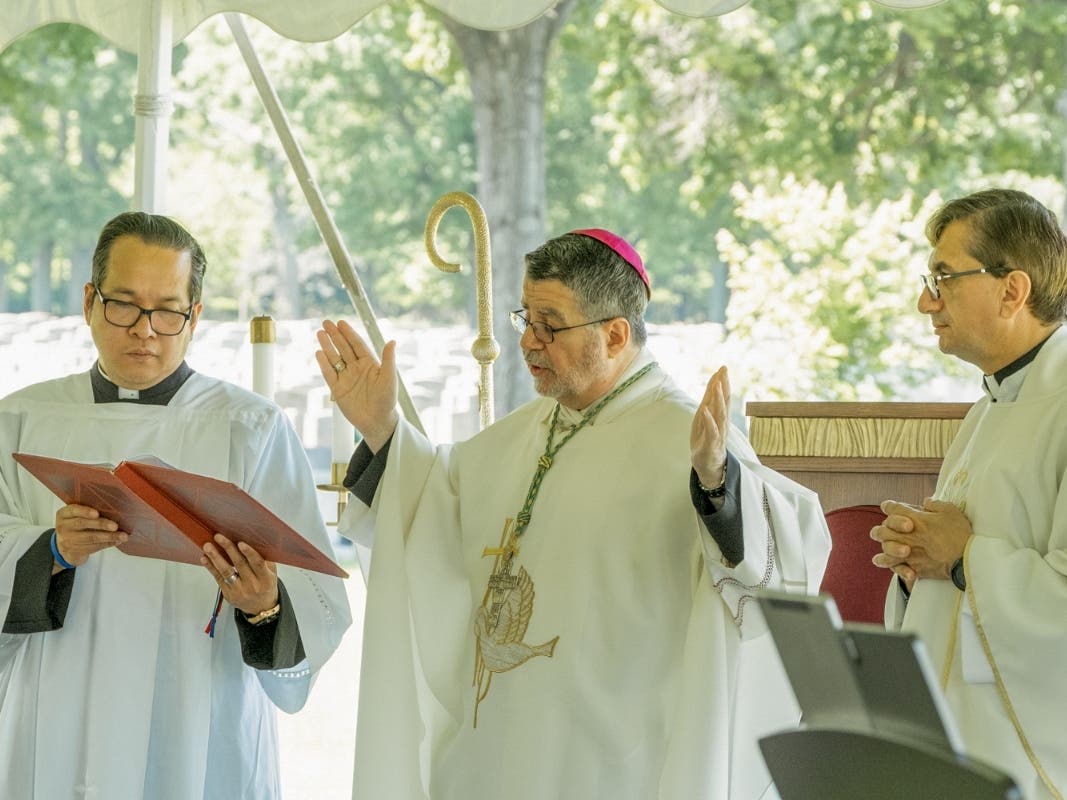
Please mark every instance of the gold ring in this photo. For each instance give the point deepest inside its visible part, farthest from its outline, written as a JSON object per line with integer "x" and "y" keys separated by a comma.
{"x": 339, "y": 366}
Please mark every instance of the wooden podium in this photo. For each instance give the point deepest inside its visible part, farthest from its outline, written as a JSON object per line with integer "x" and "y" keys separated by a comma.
{"x": 856, "y": 453}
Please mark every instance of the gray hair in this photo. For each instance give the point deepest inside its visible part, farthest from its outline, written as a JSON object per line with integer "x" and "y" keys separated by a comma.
{"x": 604, "y": 285}
{"x": 1010, "y": 230}
{"x": 154, "y": 229}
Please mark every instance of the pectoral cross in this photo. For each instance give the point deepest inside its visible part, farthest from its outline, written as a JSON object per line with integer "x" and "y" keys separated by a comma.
{"x": 509, "y": 543}
{"x": 501, "y": 581}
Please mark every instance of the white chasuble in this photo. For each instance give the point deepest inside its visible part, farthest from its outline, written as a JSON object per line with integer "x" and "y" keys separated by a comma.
{"x": 130, "y": 699}
{"x": 623, "y": 658}
{"x": 1001, "y": 646}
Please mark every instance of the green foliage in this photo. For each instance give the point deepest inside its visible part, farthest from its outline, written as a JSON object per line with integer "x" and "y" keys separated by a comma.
{"x": 773, "y": 165}
{"x": 714, "y": 125}
{"x": 823, "y": 293}
{"x": 383, "y": 117}
{"x": 398, "y": 103}
{"x": 65, "y": 133}
{"x": 882, "y": 101}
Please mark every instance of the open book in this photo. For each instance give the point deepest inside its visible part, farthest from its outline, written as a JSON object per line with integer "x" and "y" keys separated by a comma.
{"x": 170, "y": 514}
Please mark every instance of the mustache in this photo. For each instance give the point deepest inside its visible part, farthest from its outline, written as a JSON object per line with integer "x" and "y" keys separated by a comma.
{"x": 535, "y": 359}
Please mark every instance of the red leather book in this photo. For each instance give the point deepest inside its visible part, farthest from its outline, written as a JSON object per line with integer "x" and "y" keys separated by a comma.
{"x": 170, "y": 514}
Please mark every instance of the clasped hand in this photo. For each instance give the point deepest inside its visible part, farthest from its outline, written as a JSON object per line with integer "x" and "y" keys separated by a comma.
{"x": 923, "y": 541}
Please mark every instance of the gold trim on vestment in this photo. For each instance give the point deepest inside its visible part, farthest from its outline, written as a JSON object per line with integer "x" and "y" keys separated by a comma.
{"x": 501, "y": 621}
{"x": 1002, "y": 690}
{"x": 500, "y": 625}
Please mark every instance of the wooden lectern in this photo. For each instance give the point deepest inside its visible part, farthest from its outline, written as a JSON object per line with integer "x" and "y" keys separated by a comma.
{"x": 856, "y": 453}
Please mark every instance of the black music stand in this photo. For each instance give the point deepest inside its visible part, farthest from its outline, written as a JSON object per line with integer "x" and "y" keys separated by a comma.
{"x": 875, "y": 723}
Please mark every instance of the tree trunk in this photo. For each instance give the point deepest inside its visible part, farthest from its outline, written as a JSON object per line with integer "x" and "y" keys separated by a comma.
{"x": 41, "y": 287}
{"x": 5, "y": 295}
{"x": 720, "y": 291}
{"x": 81, "y": 272}
{"x": 507, "y": 74}
{"x": 288, "y": 299}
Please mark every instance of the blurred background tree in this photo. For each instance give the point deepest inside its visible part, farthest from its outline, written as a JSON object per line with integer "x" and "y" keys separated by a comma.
{"x": 774, "y": 165}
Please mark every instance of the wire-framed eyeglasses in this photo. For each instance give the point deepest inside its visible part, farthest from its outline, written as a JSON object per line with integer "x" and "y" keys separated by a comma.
{"x": 163, "y": 321}
{"x": 931, "y": 282}
{"x": 546, "y": 333}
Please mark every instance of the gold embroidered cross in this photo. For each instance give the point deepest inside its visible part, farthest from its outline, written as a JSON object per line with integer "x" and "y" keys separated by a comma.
{"x": 509, "y": 543}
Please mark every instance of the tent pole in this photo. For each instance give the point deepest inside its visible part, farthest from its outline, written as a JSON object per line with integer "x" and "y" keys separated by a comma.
{"x": 152, "y": 107}
{"x": 323, "y": 219}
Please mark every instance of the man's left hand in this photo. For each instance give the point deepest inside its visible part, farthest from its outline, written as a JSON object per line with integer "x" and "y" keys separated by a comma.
{"x": 932, "y": 536}
{"x": 254, "y": 588}
{"x": 707, "y": 436}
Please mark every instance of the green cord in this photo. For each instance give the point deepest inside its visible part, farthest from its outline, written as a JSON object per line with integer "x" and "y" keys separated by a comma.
{"x": 544, "y": 462}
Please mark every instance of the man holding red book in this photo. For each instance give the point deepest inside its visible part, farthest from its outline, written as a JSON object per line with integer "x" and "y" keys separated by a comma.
{"x": 108, "y": 686}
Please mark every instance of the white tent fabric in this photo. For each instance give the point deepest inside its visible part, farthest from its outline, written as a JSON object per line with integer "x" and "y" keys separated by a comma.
{"x": 122, "y": 21}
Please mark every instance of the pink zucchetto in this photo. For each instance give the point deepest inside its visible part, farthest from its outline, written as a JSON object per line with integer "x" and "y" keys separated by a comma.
{"x": 623, "y": 248}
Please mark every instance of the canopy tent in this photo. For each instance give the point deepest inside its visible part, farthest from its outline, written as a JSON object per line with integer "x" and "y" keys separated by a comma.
{"x": 123, "y": 21}
{"x": 151, "y": 28}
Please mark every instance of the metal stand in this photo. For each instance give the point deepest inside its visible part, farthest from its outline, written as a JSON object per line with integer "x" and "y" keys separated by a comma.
{"x": 336, "y": 484}
{"x": 828, "y": 764}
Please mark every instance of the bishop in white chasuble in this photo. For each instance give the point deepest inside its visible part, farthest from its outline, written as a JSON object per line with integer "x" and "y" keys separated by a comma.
{"x": 548, "y": 614}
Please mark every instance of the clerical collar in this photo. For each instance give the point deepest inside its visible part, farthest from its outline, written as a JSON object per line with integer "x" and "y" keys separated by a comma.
{"x": 1004, "y": 384}
{"x": 105, "y": 391}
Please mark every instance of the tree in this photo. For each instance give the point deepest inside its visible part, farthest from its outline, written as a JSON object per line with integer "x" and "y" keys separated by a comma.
{"x": 65, "y": 132}
{"x": 823, "y": 294}
{"x": 615, "y": 113}
{"x": 507, "y": 76}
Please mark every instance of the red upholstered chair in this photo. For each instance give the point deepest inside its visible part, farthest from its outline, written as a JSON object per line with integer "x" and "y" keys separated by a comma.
{"x": 857, "y": 586}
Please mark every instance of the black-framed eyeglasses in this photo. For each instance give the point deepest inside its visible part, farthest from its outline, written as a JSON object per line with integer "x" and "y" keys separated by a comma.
{"x": 930, "y": 282}
{"x": 163, "y": 321}
{"x": 546, "y": 333}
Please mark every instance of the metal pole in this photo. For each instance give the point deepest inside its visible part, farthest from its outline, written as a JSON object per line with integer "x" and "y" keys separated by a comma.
{"x": 152, "y": 107}
{"x": 323, "y": 219}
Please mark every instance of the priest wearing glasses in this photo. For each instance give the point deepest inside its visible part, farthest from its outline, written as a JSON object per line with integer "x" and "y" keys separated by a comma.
{"x": 982, "y": 565}
{"x": 109, "y": 687}
{"x": 559, "y": 606}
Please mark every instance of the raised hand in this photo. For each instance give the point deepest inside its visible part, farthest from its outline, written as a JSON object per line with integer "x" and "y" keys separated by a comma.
{"x": 707, "y": 436}
{"x": 363, "y": 387}
{"x": 81, "y": 531}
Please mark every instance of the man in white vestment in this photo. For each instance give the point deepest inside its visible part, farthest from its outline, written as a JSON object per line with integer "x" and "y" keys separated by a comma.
{"x": 982, "y": 565}
{"x": 560, "y": 606}
{"x": 109, "y": 686}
